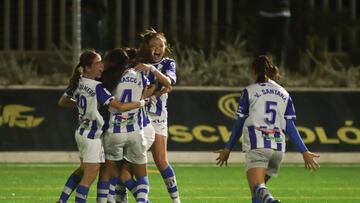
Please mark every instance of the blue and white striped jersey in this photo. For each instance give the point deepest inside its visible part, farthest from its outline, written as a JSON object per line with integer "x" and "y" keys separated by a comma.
{"x": 158, "y": 105}
{"x": 89, "y": 95}
{"x": 129, "y": 89}
{"x": 266, "y": 106}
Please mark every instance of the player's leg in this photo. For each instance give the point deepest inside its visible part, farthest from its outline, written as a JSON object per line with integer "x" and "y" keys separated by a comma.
{"x": 142, "y": 183}
{"x": 126, "y": 182}
{"x": 159, "y": 152}
{"x": 91, "y": 171}
{"x": 113, "y": 183}
{"x": 114, "y": 152}
{"x": 136, "y": 154}
{"x": 257, "y": 162}
{"x": 71, "y": 184}
{"x": 107, "y": 171}
{"x": 92, "y": 155}
{"x": 260, "y": 193}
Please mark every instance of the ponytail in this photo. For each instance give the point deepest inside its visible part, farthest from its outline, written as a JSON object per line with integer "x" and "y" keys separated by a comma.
{"x": 74, "y": 80}
{"x": 265, "y": 69}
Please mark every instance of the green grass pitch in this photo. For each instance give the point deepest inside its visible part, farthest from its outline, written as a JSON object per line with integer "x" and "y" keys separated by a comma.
{"x": 198, "y": 183}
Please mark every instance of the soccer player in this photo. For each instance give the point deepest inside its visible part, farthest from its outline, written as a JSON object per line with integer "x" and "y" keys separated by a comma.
{"x": 88, "y": 94}
{"x": 155, "y": 51}
{"x": 124, "y": 140}
{"x": 264, "y": 115}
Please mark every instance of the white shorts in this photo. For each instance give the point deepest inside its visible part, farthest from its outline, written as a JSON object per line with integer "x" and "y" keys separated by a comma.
{"x": 149, "y": 133}
{"x": 264, "y": 158}
{"x": 159, "y": 123}
{"x": 131, "y": 146}
{"x": 91, "y": 150}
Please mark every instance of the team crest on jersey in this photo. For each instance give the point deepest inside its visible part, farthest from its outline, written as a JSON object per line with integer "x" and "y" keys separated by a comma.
{"x": 228, "y": 104}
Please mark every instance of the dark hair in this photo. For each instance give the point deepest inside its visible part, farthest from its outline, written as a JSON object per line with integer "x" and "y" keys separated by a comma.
{"x": 116, "y": 61}
{"x": 86, "y": 59}
{"x": 265, "y": 69}
{"x": 143, "y": 54}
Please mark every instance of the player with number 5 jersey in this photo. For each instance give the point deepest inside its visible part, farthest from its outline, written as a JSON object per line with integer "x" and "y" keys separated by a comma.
{"x": 265, "y": 115}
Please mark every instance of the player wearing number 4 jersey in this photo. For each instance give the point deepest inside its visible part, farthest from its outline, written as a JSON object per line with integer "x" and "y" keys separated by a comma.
{"x": 124, "y": 140}
{"x": 264, "y": 115}
{"x": 89, "y": 94}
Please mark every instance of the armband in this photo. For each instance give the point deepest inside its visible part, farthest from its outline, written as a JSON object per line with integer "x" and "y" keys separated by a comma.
{"x": 142, "y": 103}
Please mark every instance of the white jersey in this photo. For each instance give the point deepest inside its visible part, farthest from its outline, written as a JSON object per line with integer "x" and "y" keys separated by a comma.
{"x": 89, "y": 95}
{"x": 266, "y": 106}
{"x": 129, "y": 89}
{"x": 158, "y": 105}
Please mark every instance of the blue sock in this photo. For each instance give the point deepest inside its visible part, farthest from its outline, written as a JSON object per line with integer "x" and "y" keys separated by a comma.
{"x": 70, "y": 185}
{"x": 131, "y": 185}
{"x": 170, "y": 181}
{"x": 112, "y": 183}
{"x": 256, "y": 200}
{"x": 262, "y": 193}
{"x": 102, "y": 191}
{"x": 121, "y": 195}
{"x": 142, "y": 189}
{"x": 81, "y": 194}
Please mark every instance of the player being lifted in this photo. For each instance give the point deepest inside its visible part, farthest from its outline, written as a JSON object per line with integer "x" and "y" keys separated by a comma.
{"x": 264, "y": 114}
{"x": 154, "y": 50}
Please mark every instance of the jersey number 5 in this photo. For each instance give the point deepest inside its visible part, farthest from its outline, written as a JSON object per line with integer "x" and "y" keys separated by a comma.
{"x": 270, "y": 109}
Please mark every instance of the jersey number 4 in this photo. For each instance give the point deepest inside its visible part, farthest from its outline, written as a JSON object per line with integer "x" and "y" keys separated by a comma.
{"x": 126, "y": 96}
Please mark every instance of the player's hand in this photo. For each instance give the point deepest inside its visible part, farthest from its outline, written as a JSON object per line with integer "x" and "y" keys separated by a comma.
{"x": 148, "y": 91}
{"x": 223, "y": 156}
{"x": 309, "y": 160}
{"x": 163, "y": 91}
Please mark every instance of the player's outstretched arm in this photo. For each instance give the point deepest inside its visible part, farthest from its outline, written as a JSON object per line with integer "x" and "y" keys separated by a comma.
{"x": 235, "y": 135}
{"x": 309, "y": 157}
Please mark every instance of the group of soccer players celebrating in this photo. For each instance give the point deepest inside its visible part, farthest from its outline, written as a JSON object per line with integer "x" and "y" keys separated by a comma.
{"x": 121, "y": 101}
